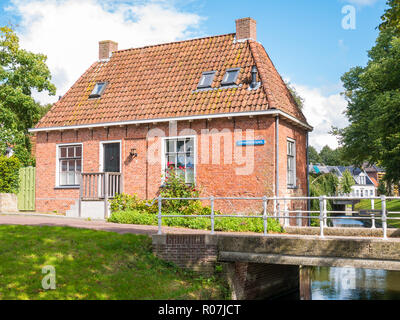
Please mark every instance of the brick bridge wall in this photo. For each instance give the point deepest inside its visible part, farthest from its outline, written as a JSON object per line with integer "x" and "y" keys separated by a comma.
{"x": 246, "y": 280}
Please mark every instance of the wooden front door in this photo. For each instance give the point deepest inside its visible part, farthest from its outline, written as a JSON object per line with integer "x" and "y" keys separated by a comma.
{"x": 111, "y": 157}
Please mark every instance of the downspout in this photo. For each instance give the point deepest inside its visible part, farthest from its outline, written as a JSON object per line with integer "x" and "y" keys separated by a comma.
{"x": 308, "y": 179}
{"x": 277, "y": 156}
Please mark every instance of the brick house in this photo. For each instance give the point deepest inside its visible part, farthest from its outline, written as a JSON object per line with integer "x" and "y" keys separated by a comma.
{"x": 214, "y": 106}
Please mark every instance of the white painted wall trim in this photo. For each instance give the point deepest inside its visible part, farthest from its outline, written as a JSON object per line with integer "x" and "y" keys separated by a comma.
{"x": 200, "y": 117}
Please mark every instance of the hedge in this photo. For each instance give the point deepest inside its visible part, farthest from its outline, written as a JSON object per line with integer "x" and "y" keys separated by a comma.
{"x": 9, "y": 174}
{"x": 221, "y": 224}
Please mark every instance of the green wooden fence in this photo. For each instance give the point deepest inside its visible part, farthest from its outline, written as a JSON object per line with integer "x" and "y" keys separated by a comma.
{"x": 26, "y": 194}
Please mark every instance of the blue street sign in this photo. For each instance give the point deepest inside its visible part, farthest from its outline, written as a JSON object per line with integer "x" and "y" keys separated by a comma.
{"x": 250, "y": 143}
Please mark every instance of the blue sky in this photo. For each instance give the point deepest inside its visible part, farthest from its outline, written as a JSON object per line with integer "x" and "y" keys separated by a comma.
{"x": 304, "y": 38}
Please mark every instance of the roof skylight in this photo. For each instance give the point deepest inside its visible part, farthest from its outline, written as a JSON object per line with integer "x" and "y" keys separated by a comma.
{"x": 206, "y": 79}
{"x": 98, "y": 90}
{"x": 230, "y": 77}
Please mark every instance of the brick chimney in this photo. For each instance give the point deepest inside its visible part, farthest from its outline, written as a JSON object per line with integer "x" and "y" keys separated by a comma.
{"x": 106, "y": 48}
{"x": 246, "y": 28}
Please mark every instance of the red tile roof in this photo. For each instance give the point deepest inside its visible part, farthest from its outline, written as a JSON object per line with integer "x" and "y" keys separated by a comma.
{"x": 160, "y": 81}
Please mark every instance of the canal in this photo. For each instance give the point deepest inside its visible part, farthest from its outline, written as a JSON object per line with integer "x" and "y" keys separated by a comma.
{"x": 354, "y": 284}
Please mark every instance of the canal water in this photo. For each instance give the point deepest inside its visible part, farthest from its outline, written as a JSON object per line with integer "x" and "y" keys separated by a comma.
{"x": 354, "y": 284}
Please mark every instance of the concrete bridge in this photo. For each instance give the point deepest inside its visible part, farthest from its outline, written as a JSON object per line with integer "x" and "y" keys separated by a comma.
{"x": 260, "y": 267}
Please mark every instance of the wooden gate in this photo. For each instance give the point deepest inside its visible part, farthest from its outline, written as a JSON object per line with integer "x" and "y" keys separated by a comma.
{"x": 26, "y": 194}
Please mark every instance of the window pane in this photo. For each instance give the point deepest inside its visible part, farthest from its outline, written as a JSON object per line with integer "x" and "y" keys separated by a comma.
{"x": 181, "y": 161}
{"x": 189, "y": 161}
{"x": 71, "y": 178}
{"x": 189, "y": 175}
{"x": 64, "y": 165}
{"x": 78, "y": 151}
{"x": 181, "y": 146}
{"x": 170, "y": 145}
{"x": 171, "y": 160}
{"x": 78, "y": 166}
{"x": 63, "y": 178}
{"x": 71, "y": 165}
{"x": 189, "y": 145}
{"x": 71, "y": 152}
{"x": 63, "y": 152}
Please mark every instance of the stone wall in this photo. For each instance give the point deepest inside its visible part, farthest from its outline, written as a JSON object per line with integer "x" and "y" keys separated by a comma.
{"x": 8, "y": 203}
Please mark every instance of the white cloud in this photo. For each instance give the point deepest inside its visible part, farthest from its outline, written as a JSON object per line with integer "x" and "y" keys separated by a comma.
{"x": 68, "y": 31}
{"x": 322, "y": 111}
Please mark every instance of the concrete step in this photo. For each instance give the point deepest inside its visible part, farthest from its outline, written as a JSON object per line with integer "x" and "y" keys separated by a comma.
{"x": 89, "y": 209}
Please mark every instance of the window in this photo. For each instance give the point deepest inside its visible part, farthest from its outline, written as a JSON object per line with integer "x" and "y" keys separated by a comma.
{"x": 291, "y": 163}
{"x": 357, "y": 193}
{"x": 179, "y": 155}
{"x": 362, "y": 180}
{"x": 98, "y": 90}
{"x": 362, "y": 193}
{"x": 70, "y": 165}
{"x": 206, "y": 80}
{"x": 371, "y": 193}
{"x": 230, "y": 77}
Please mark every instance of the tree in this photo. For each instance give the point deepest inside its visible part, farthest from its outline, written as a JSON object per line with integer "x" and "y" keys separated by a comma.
{"x": 313, "y": 155}
{"x": 391, "y": 18}
{"x": 21, "y": 72}
{"x": 346, "y": 182}
{"x": 373, "y": 97}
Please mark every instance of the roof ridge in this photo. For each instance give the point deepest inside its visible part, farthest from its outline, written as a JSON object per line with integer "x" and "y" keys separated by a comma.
{"x": 175, "y": 42}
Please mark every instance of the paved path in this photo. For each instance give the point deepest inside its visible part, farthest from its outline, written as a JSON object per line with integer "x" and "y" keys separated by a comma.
{"x": 47, "y": 220}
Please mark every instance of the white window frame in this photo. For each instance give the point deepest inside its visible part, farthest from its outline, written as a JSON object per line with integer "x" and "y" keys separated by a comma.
{"x": 163, "y": 155}
{"x": 57, "y": 182}
{"x": 295, "y": 163}
{"x": 101, "y": 153}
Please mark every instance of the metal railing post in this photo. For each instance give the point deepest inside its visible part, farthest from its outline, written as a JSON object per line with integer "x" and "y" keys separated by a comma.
{"x": 159, "y": 214}
{"x": 325, "y": 213}
{"x": 321, "y": 215}
{"x": 275, "y": 208}
{"x": 212, "y": 214}
{"x": 265, "y": 218}
{"x": 384, "y": 222}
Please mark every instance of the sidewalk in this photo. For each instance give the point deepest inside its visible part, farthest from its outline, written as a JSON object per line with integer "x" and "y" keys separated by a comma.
{"x": 61, "y": 221}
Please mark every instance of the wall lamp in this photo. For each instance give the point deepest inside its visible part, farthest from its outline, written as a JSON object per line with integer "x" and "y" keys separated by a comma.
{"x": 133, "y": 153}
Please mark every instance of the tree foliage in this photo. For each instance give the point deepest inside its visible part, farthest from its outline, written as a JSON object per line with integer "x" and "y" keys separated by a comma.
{"x": 21, "y": 72}
{"x": 373, "y": 95}
{"x": 327, "y": 156}
{"x": 391, "y": 18}
{"x": 346, "y": 182}
{"x": 296, "y": 96}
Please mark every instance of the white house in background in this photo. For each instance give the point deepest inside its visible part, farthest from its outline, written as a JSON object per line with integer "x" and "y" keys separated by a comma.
{"x": 363, "y": 186}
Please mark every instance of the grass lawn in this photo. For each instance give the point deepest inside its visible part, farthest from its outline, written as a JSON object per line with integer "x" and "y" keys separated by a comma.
{"x": 92, "y": 264}
{"x": 391, "y": 205}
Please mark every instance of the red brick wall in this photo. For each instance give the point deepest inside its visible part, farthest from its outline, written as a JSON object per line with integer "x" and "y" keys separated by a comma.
{"x": 144, "y": 178}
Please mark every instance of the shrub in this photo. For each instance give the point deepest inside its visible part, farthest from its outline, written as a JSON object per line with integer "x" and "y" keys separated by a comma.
{"x": 221, "y": 223}
{"x": 175, "y": 187}
{"x": 9, "y": 174}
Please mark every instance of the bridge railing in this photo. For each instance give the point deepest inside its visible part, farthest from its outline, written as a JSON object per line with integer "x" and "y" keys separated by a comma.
{"x": 280, "y": 211}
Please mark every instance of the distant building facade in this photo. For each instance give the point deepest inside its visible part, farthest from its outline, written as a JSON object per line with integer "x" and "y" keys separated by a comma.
{"x": 363, "y": 185}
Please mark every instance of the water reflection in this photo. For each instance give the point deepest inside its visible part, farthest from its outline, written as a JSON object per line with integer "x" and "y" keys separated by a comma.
{"x": 354, "y": 284}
